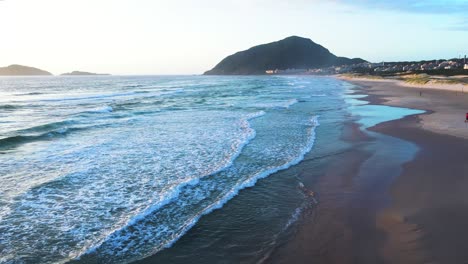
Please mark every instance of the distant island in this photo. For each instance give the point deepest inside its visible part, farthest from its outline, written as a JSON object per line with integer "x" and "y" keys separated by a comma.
{"x": 290, "y": 54}
{"x": 82, "y": 73}
{"x": 19, "y": 70}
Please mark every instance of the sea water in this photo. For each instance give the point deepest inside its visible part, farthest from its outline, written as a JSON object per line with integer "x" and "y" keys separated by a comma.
{"x": 114, "y": 169}
{"x": 119, "y": 168}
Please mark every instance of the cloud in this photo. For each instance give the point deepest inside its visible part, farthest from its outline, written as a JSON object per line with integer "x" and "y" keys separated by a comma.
{"x": 414, "y": 6}
{"x": 459, "y": 26}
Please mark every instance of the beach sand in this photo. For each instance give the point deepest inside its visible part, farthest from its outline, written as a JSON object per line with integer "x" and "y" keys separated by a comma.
{"x": 367, "y": 214}
{"x": 448, "y": 106}
{"x": 430, "y": 195}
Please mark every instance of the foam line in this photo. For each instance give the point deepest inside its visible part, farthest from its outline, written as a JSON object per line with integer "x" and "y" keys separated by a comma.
{"x": 175, "y": 192}
{"x": 219, "y": 203}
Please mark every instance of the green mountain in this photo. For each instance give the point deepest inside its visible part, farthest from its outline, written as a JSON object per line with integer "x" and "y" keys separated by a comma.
{"x": 290, "y": 53}
{"x": 22, "y": 70}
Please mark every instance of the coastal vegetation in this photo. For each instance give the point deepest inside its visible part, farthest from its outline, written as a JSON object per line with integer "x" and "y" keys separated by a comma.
{"x": 357, "y": 75}
{"x": 417, "y": 79}
{"x": 413, "y": 79}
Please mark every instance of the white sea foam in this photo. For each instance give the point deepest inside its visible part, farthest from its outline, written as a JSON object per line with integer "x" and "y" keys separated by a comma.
{"x": 237, "y": 147}
{"x": 294, "y": 217}
{"x": 246, "y": 184}
{"x": 278, "y": 105}
{"x": 168, "y": 197}
{"x": 105, "y": 109}
{"x": 87, "y": 97}
{"x": 96, "y": 191}
{"x": 237, "y": 139}
{"x": 62, "y": 130}
{"x": 118, "y": 241}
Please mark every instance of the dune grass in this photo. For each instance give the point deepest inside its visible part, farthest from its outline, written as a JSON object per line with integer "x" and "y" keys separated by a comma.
{"x": 417, "y": 79}
{"x": 362, "y": 76}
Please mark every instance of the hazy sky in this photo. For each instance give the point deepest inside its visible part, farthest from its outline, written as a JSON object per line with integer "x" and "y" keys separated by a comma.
{"x": 191, "y": 36}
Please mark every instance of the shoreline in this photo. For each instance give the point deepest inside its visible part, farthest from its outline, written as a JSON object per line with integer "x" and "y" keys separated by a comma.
{"x": 428, "y": 201}
{"x": 430, "y": 85}
{"x": 327, "y": 234}
{"x": 446, "y": 109}
{"x": 416, "y": 216}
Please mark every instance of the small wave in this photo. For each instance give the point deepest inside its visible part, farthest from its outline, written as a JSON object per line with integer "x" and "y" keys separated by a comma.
{"x": 294, "y": 217}
{"x": 17, "y": 140}
{"x": 47, "y": 127}
{"x": 255, "y": 115}
{"x": 9, "y": 107}
{"x": 251, "y": 134}
{"x": 246, "y": 184}
{"x": 308, "y": 98}
{"x": 105, "y": 109}
{"x": 26, "y": 94}
{"x": 216, "y": 204}
{"x": 278, "y": 105}
{"x": 168, "y": 197}
{"x": 11, "y": 142}
{"x": 175, "y": 192}
{"x": 89, "y": 97}
{"x": 134, "y": 85}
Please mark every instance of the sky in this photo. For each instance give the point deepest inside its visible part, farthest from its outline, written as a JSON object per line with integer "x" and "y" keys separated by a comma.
{"x": 192, "y": 36}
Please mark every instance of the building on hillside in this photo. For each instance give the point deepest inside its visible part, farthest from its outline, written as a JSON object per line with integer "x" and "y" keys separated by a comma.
{"x": 287, "y": 71}
{"x": 294, "y": 71}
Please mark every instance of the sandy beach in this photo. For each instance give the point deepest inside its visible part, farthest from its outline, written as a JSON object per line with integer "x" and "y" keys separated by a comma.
{"x": 447, "y": 104}
{"x": 376, "y": 213}
{"x": 429, "y": 196}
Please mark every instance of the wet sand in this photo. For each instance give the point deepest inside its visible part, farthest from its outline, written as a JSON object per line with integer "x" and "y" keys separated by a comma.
{"x": 367, "y": 214}
{"x": 429, "y": 197}
{"x": 324, "y": 235}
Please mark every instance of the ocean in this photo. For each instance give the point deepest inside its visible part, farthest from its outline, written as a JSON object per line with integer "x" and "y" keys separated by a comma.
{"x": 116, "y": 169}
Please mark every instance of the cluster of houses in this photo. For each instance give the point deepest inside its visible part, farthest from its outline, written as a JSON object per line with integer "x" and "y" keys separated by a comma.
{"x": 423, "y": 66}
{"x": 287, "y": 71}
{"x": 384, "y": 67}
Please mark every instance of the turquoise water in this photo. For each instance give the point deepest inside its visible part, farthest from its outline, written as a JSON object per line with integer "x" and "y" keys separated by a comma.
{"x": 388, "y": 154}
{"x": 370, "y": 115}
{"x": 114, "y": 169}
